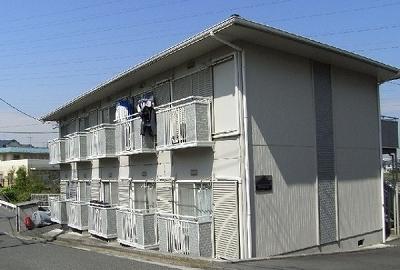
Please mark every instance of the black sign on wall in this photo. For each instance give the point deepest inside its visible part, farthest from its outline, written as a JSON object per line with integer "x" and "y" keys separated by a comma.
{"x": 264, "y": 183}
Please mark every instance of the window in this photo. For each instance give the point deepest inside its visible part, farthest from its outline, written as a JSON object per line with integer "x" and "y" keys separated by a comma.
{"x": 16, "y": 157}
{"x": 109, "y": 192}
{"x": 84, "y": 191}
{"x": 83, "y": 123}
{"x": 194, "y": 199}
{"x": 144, "y": 196}
{"x": 225, "y": 102}
{"x": 105, "y": 194}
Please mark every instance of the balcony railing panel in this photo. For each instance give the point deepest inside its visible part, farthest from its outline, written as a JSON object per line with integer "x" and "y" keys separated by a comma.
{"x": 76, "y": 147}
{"x": 137, "y": 228}
{"x": 102, "y": 221}
{"x": 390, "y": 132}
{"x": 43, "y": 199}
{"x": 128, "y": 139}
{"x": 57, "y": 151}
{"x": 78, "y": 215}
{"x": 58, "y": 210}
{"x": 185, "y": 235}
{"x": 101, "y": 141}
{"x": 184, "y": 123}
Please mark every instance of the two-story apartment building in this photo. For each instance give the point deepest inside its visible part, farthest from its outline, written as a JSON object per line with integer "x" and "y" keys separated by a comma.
{"x": 233, "y": 144}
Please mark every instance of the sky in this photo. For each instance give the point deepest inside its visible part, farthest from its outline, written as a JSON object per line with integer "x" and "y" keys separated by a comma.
{"x": 52, "y": 51}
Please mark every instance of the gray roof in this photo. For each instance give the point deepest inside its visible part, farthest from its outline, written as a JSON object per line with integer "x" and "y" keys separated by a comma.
{"x": 233, "y": 29}
{"x": 25, "y": 150}
{"x": 4, "y": 143}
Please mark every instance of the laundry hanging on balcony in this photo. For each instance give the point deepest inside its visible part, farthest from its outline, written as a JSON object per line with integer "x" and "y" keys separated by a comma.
{"x": 147, "y": 113}
{"x": 123, "y": 109}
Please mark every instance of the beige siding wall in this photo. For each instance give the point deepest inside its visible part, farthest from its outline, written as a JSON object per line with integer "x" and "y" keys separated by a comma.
{"x": 282, "y": 122}
{"x": 356, "y": 129}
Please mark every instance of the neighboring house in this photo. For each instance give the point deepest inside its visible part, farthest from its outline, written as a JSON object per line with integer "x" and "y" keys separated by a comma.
{"x": 256, "y": 129}
{"x": 35, "y": 159}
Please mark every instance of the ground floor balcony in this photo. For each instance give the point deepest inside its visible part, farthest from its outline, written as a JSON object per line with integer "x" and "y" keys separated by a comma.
{"x": 185, "y": 235}
{"x": 57, "y": 151}
{"x": 128, "y": 139}
{"x": 137, "y": 228}
{"x": 58, "y": 210}
{"x": 102, "y": 221}
{"x": 78, "y": 215}
{"x": 184, "y": 123}
{"x": 76, "y": 147}
{"x": 101, "y": 141}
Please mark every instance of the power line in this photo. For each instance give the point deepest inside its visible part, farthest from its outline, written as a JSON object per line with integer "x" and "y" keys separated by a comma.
{"x": 330, "y": 13}
{"x": 99, "y": 44}
{"x": 250, "y": 6}
{"x": 62, "y": 12}
{"x": 28, "y": 132}
{"x": 54, "y": 23}
{"x": 26, "y": 125}
{"x": 18, "y": 110}
{"x": 359, "y": 30}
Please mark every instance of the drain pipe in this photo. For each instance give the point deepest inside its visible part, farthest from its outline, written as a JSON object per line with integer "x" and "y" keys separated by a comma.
{"x": 246, "y": 139}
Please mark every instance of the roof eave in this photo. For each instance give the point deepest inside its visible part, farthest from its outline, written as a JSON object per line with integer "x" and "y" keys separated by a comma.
{"x": 58, "y": 113}
{"x": 185, "y": 43}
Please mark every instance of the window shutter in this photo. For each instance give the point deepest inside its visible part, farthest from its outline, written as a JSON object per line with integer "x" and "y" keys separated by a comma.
{"x": 93, "y": 118}
{"x": 162, "y": 93}
{"x": 95, "y": 189}
{"x": 202, "y": 83}
{"x": 182, "y": 88}
{"x": 164, "y": 197}
{"x": 226, "y": 221}
{"x": 63, "y": 188}
{"x": 114, "y": 193}
{"x": 73, "y": 190}
{"x": 123, "y": 192}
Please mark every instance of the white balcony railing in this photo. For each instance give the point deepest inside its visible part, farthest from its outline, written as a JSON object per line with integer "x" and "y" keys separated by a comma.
{"x": 78, "y": 215}
{"x": 58, "y": 210}
{"x": 76, "y": 147}
{"x": 57, "y": 151}
{"x": 185, "y": 235}
{"x": 137, "y": 228}
{"x": 101, "y": 141}
{"x": 128, "y": 139}
{"x": 102, "y": 221}
{"x": 184, "y": 123}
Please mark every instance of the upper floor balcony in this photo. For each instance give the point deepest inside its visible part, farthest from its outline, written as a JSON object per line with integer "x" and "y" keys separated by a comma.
{"x": 184, "y": 123}
{"x": 57, "y": 151}
{"x": 128, "y": 139}
{"x": 101, "y": 141}
{"x": 76, "y": 147}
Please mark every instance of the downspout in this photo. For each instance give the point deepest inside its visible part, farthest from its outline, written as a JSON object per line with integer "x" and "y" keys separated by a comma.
{"x": 382, "y": 191}
{"x": 246, "y": 139}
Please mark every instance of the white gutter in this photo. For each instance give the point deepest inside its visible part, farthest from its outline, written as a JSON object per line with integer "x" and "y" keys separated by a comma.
{"x": 246, "y": 140}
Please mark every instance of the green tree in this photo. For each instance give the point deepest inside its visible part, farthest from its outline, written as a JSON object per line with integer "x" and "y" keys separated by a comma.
{"x": 24, "y": 186}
